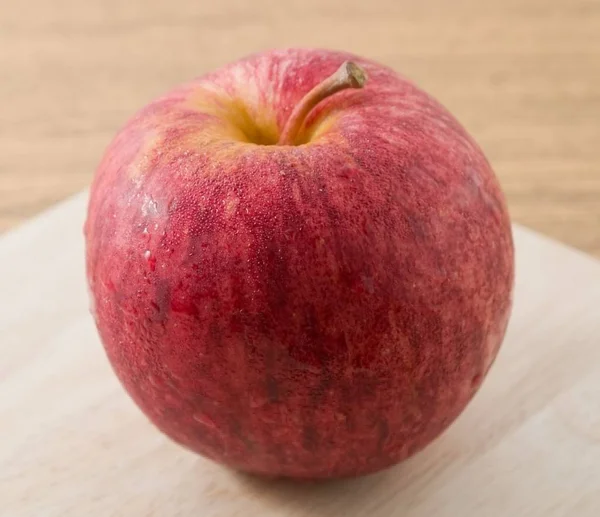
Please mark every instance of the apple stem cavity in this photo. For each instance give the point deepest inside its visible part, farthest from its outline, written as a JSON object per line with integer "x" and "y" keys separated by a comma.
{"x": 349, "y": 75}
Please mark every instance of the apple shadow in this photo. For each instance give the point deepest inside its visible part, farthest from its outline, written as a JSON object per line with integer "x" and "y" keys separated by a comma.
{"x": 317, "y": 498}
{"x": 401, "y": 486}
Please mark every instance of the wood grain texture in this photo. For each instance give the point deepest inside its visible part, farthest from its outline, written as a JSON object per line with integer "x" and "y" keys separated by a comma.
{"x": 522, "y": 75}
{"x": 72, "y": 443}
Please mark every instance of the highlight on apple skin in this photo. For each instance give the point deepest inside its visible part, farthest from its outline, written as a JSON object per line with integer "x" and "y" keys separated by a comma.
{"x": 300, "y": 264}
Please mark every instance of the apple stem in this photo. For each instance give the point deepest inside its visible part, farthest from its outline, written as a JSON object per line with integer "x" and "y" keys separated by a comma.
{"x": 349, "y": 75}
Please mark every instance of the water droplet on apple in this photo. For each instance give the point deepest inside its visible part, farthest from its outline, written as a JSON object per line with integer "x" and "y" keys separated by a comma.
{"x": 147, "y": 254}
{"x": 368, "y": 283}
{"x": 149, "y": 206}
{"x": 201, "y": 418}
{"x": 256, "y": 403}
{"x": 92, "y": 308}
{"x": 476, "y": 380}
{"x": 155, "y": 381}
{"x": 171, "y": 399}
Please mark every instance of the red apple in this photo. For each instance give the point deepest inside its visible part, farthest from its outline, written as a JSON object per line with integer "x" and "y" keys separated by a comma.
{"x": 295, "y": 280}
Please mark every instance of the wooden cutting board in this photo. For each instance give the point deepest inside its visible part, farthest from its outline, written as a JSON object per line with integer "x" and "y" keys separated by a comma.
{"x": 73, "y": 444}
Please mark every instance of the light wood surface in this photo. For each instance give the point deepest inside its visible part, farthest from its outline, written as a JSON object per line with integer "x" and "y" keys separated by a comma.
{"x": 522, "y": 75}
{"x": 72, "y": 443}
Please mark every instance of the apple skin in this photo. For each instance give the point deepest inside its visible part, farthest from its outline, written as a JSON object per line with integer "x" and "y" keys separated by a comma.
{"x": 308, "y": 311}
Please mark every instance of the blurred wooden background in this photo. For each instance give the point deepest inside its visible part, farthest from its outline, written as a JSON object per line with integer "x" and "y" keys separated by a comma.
{"x": 522, "y": 75}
